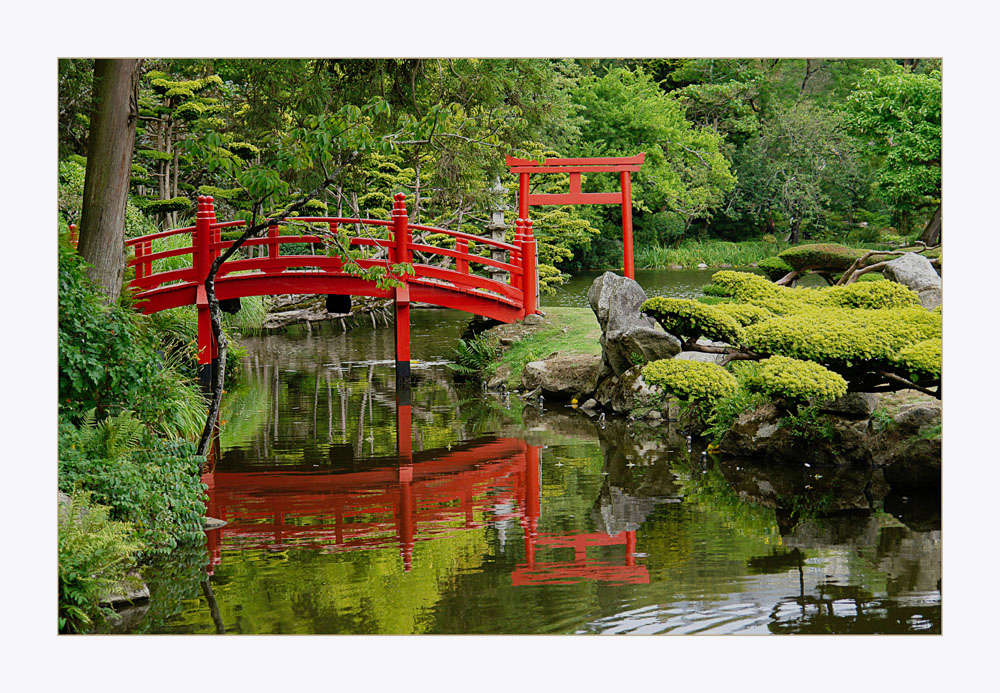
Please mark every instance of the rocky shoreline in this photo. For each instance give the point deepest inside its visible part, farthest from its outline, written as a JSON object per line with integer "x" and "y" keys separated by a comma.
{"x": 897, "y": 436}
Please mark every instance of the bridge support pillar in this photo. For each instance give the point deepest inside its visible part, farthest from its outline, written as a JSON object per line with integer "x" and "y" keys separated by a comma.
{"x": 402, "y": 315}
{"x": 208, "y": 355}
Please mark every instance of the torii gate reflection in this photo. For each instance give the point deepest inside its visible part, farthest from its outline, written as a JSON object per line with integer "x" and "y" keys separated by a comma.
{"x": 414, "y": 498}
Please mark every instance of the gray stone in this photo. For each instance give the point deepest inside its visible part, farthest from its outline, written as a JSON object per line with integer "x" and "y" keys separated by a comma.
{"x": 210, "y": 523}
{"x": 853, "y": 405}
{"x": 917, "y": 273}
{"x": 918, "y": 416}
{"x": 759, "y": 434}
{"x": 589, "y": 405}
{"x": 563, "y": 375}
{"x": 702, "y": 265}
{"x": 632, "y": 392}
{"x": 533, "y": 319}
{"x": 499, "y": 376}
{"x": 128, "y": 593}
{"x": 626, "y": 334}
{"x": 700, "y": 356}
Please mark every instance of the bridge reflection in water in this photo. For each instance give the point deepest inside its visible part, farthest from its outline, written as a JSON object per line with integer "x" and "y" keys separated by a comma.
{"x": 414, "y": 497}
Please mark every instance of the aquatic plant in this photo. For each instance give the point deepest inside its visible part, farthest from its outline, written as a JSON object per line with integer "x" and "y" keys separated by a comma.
{"x": 476, "y": 357}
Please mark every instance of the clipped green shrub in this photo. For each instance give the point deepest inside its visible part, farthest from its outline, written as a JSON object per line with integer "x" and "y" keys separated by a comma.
{"x": 774, "y": 268}
{"x": 174, "y": 204}
{"x": 690, "y": 381}
{"x": 821, "y": 256}
{"x": 921, "y": 360}
{"x": 314, "y": 208}
{"x": 872, "y": 294}
{"x": 843, "y": 338}
{"x": 95, "y": 557}
{"x": 714, "y": 290}
{"x": 790, "y": 379}
{"x": 744, "y": 313}
{"x": 691, "y": 319}
{"x": 744, "y": 286}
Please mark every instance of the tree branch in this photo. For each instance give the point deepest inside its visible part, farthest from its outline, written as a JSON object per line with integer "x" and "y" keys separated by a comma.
{"x": 215, "y": 313}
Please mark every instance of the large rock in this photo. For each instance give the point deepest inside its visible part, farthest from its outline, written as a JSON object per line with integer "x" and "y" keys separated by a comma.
{"x": 627, "y": 336}
{"x": 853, "y": 405}
{"x": 761, "y": 434}
{"x": 917, "y": 273}
{"x": 563, "y": 375}
{"x": 909, "y": 448}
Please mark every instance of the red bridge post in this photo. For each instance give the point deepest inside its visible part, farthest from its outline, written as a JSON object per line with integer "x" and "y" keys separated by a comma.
{"x": 401, "y": 304}
{"x": 201, "y": 261}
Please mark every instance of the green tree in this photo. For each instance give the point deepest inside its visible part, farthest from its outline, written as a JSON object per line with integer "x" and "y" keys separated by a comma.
{"x": 898, "y": 114}
{"x": 624, "y": 112}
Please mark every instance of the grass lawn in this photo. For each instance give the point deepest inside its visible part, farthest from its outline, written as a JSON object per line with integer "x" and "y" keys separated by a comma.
{"x": 565, "y": 329}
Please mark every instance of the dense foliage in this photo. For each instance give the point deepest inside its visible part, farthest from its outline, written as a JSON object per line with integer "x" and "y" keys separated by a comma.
{"x": 95, "y": 556}
{"x": 690, "y": 381}
{"x": 780, "y": 377}
{"x": 830, "y": 149}
{"x": 861, "y": 331}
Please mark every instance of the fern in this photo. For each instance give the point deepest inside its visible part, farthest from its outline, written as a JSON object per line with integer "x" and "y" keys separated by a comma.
{"x": 476, "y": 358}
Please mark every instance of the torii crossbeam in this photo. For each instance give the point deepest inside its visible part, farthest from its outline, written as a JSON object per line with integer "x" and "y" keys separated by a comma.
{"x": 625, "y": 166}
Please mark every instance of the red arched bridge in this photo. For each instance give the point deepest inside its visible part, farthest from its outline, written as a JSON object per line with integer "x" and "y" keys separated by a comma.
{"x": 456, "y": 277}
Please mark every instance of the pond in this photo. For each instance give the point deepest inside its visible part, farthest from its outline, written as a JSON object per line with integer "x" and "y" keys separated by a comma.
{"x": 494, "y": 517}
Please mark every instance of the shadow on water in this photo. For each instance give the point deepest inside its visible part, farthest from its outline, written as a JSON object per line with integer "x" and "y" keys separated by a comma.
{"x": 491, "y": 517}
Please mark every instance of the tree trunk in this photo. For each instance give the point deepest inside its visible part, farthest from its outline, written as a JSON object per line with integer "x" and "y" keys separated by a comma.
{"x": 793, "y": 236}
{"x": 105, "y": 188}
{"x": 932, "y": 232}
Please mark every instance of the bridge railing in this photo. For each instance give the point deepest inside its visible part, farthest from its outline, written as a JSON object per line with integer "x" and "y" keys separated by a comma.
{"x": 461, "y": 270}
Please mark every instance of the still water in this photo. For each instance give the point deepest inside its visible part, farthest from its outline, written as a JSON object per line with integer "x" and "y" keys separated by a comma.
{"x": 495, "y": 517}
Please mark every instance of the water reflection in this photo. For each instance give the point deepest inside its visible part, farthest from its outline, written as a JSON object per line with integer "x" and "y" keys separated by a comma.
{"x": 346, "y": 514}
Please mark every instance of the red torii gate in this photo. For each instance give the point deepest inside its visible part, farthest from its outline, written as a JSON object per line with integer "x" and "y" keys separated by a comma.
{"x": 623, "y": 165}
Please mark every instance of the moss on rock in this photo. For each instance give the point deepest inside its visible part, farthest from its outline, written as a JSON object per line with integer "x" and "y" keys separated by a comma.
{"x": 821, "y": 256}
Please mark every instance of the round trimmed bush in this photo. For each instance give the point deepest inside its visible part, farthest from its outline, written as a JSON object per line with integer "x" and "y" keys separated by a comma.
{"x": 821, "y": 256}
{"x": 744, "y": 313}
{"x": 843, "y": 337}
{"x": 774, "y": 267}
{"x": 690, "y": 380}
{"x": 780, "y": 377}
{"x": 922, "y": 360}
{"x": 872, "y": 294}
{"x": 691, "y": 319}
